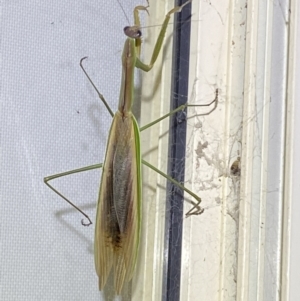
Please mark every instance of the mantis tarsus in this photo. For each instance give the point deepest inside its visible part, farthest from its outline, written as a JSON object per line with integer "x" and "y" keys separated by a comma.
{"x": 118, "y": 220}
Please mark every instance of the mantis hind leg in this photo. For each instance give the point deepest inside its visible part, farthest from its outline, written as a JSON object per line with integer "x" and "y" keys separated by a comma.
{"x": 196, "y": 210}
{"x": 66, "y": 173}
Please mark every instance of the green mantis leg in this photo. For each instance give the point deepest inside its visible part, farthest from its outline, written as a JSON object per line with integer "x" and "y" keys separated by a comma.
{"x": 91, "y": 167}
{"x": 181, "y": 108}
{"x": 99, "y": 94}
{"x": 66, "y": 173}
{"x": 159, "y": 41}
{"x": 196, "y": 210}
{"x": 137, "y": 22}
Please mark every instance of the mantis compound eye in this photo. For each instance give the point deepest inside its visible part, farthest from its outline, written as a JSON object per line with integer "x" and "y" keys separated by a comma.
{"x": 133, "y": 32}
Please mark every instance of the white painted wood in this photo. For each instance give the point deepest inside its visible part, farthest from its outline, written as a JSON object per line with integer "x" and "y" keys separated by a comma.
{"x": 210, "y": 240}
{"x": 239, "y": 248}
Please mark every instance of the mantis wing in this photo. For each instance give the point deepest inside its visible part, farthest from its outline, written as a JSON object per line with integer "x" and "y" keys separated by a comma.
{"x": 118, "y": 220}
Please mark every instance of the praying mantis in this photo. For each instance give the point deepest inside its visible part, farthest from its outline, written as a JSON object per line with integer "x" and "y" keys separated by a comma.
{"x": 118, "y": 218}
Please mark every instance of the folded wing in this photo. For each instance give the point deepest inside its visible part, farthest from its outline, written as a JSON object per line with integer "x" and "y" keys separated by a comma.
{"x": 118, "y": 211}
